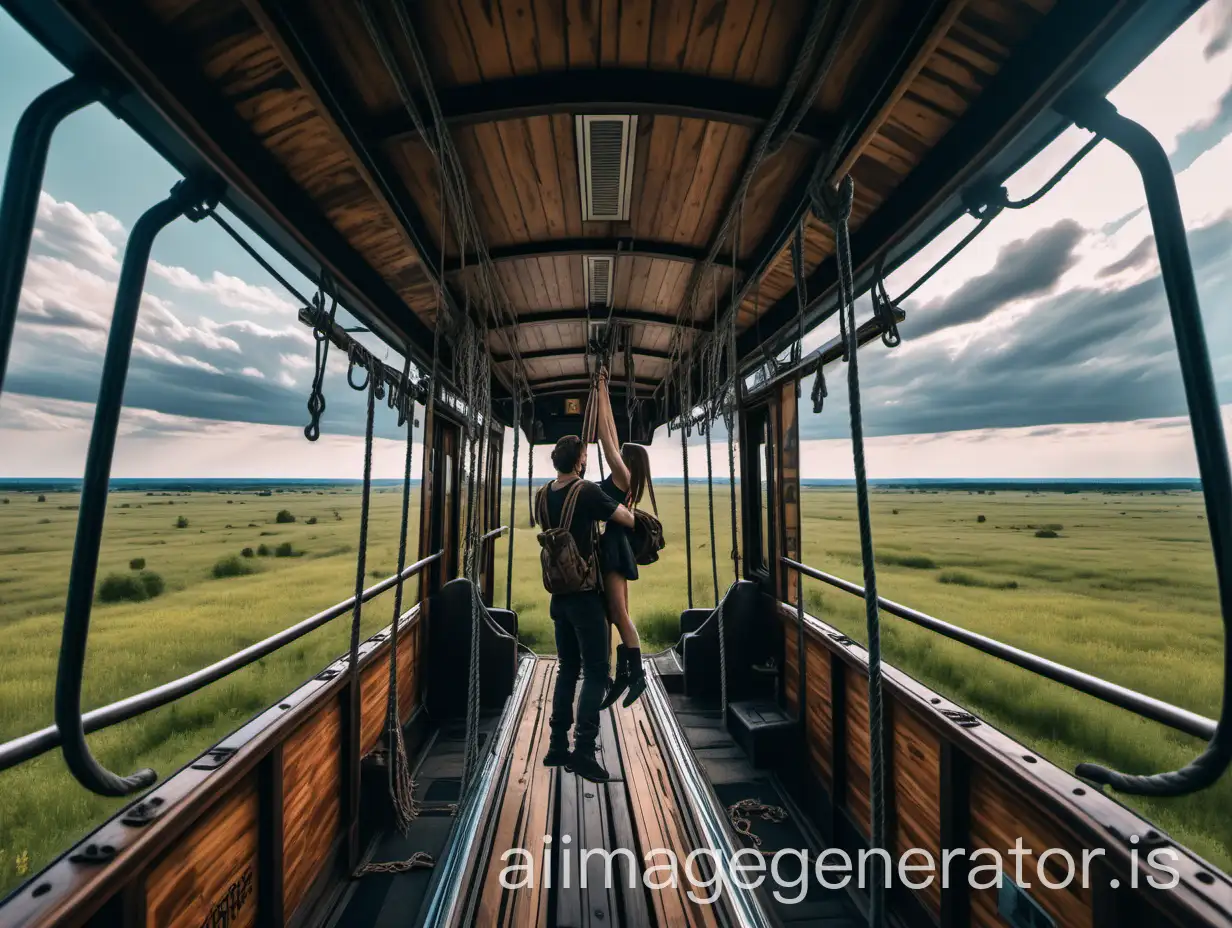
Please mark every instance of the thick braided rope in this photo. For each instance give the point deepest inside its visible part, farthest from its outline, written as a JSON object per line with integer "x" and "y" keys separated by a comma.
{"x": 361, "y": 556}
{"x": 714, "y": 557}
{"x": 513, "y": 496}
{"x": 401, "y": 785}
{"x": 837, "y": 206}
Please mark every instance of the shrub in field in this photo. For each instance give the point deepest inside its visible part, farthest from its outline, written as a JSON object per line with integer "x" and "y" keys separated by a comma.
{"x": 117, "y": 588}
{"x": 263, "y": 550}
{"x": 137, "y": 563}
{"x": 915, "y": 561}
{"x": 44, "y": 521}
{"x": 285, "y": 550}
{"x": 962, "y": 578}
{"x": 230, "y": 502}
{"x": 1046, "y": 533}
{"x": 312, "y": 520}
{"x": 247, "y": 552}
{"x": 181, "y": 522}
{"x": 980, "y": 519}
{"x": 284, "y": 516}
{"x": 42, "y": 498}
{"x": 6, "y": 501}
{"x": 231, "y": 566}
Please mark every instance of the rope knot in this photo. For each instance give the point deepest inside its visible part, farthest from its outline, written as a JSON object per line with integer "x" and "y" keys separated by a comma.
{"x": 832, "y": 204}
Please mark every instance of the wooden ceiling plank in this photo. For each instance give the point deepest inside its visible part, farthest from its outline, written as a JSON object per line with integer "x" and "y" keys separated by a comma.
{"x": 542, "y": 149}
{"x": 635, "y": 27}
{"x": 582, "y": 36}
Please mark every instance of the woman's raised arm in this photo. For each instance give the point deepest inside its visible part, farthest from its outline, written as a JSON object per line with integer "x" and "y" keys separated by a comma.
{"x": 606, "y": 429}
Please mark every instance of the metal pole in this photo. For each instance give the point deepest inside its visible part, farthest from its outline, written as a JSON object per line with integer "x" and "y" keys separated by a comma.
{"x": 23, "y": 182}
{"x": 1101, "y": 117}
{"x": 185, "y": 198}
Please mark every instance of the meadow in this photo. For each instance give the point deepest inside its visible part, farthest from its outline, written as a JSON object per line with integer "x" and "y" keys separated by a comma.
{"x": 1117, "y": 583}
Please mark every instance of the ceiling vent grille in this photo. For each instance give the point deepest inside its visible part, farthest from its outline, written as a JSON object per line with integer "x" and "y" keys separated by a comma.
{"x": 605, "y": 166}
{"x": 599, "y": 272}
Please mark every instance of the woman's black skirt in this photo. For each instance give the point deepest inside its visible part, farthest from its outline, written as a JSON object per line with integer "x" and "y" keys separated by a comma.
{"x": 616, "y": 552}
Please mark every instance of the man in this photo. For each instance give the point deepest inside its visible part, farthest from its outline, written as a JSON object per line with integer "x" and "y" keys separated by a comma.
{"x": 580, "y": 620}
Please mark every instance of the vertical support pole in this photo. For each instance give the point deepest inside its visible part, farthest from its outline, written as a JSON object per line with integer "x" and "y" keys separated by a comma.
{"x": 185, "y": 198}
{"x": 270, "y": 839}
{"x": 23, "y": 182}
{"x": 955, "y": 835}
{"x": 838, "y": 747}
{"x": 787, "y": 502}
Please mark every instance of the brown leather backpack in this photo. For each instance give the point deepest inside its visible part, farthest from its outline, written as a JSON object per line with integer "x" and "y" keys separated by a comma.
{"x": 646, "y": 537}
{"x": 565, "y": 570}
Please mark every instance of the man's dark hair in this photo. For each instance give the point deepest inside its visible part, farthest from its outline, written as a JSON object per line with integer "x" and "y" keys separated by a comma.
{"x": 566, "y": 454}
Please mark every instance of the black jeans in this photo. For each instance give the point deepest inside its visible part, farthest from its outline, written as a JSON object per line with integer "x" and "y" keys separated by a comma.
{"x": 582, "y": 643}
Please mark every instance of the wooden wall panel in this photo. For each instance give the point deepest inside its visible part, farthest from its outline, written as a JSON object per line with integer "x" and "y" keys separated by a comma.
{"x": 209, "y": 876}
{"x": 819, "y": 721}
{"x": 916, "y": 768}
{"x": 999, "y": 815}
{"x": 312, "y": 801}
{"x": 856, "y": 740}
{"x": 374, "y": 689}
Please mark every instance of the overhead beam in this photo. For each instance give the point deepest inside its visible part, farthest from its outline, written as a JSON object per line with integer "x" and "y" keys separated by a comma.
{"x": 603, "y": 91}
{"x": 553, "y": 385}
{"x": 563, "y": 247}
{"x": 570, "y": 350}
{"x": 1036, "y": 74}
{"x": 553, "y": 316}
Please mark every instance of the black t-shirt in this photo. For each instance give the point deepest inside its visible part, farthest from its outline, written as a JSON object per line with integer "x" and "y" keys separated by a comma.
{"x": 608, "y": 486}
{"x": 593, "y": 505}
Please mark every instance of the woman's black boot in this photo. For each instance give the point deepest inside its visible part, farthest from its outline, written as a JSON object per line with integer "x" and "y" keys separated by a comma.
{"x": 636, "y": 675}
{"x": 617, "y": 686}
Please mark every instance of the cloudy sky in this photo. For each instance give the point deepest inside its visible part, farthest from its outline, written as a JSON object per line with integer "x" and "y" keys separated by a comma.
{"x": 1043, "y": 350}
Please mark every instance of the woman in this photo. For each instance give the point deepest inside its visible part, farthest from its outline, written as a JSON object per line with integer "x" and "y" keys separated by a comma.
{"x": 625, "y": 484}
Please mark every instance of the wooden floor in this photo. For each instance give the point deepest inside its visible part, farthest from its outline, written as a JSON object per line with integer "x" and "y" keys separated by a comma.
{"x": 554, "y": 815}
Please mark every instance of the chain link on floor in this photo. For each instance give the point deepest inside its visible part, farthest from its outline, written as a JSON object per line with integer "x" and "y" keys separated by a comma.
{"x": 417, "y": 861}
{"x": 743, "y": 812}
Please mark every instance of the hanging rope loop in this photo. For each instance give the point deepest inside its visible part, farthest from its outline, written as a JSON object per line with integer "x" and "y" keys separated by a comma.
{"x": 320, "y": 334}
{"x": 820, "y": 392}
{"x": 356, "y": 359}
{"x": 885, "y": 309}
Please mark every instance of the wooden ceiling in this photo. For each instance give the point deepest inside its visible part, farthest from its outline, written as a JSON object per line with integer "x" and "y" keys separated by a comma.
{"x": 305, "y": 82}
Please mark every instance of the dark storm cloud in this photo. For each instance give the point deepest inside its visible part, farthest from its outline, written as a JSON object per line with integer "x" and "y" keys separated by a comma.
{"x": 1197, "y": 140}
{"x": 1085, "y": 355}
{"x": 1024, "y": 268}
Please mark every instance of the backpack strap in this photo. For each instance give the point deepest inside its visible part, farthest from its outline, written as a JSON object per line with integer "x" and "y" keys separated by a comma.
{"x": 566, "y": 516}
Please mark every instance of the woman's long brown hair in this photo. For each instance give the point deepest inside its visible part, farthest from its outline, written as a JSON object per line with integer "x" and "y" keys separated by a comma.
{"x": 638, "y": 462}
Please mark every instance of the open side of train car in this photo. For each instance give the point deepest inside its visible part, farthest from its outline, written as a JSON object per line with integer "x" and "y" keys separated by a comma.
{"x": 644, "y": 166}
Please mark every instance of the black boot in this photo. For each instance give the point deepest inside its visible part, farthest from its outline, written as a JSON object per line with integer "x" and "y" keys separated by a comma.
{"x": 637, "y": 676}
{"x": 586, "y": 765}
{"x": 558, "y": 754}
{"x": 617, "y": 686}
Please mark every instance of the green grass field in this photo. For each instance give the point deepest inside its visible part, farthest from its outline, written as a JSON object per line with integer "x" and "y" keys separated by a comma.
{"x": 1126, "y": 590}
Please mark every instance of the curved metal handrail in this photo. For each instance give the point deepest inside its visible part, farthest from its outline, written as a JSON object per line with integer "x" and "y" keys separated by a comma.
{"x": 27, "y": 747}
{"x": 1124, "y": 698}
{"x": 1205, "y": 420}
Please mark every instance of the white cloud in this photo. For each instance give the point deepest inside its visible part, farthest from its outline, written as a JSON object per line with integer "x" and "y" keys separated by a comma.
{"x": 63, "y": 230}
{"x": 229, "y": 291}
{"x": 252, "y": 372}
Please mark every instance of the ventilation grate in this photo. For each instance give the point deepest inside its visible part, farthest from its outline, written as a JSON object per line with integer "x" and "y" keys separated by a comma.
{"x": 605, "y": 163}
{"x": 599, "y": 270}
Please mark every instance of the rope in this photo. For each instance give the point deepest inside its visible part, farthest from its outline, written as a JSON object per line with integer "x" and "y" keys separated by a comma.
{"x": 401, "y": 783}
{"x": 741, "y": 814}
{"x": 714, "y": 558}
{"x": 530, "y": 479}
{"x": 688, "y": 524}
{"x": 513, "y": 496}
{"x": 316, "y": 398}
{"x": 836, "y": 206}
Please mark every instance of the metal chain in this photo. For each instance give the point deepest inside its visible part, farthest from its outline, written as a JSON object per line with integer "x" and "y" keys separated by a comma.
{"x": 742, "y": 813}
{"x": 417, "y": 861}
